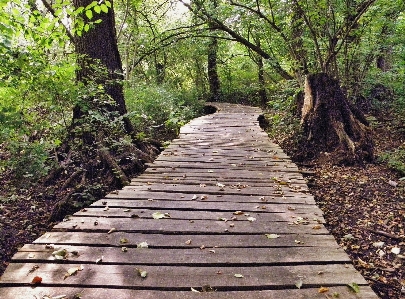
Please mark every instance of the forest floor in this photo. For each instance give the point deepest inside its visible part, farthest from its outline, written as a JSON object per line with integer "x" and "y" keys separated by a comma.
{"x": 364, "y": 208}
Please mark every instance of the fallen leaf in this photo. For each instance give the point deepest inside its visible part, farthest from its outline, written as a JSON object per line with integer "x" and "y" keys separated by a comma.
{"x": 298, "y": 284}
{"x": 354, "y": 287}
{"x": 60, "y": 254}
{"x": 31, "y": 256}
{"x": 194, "y": 197}
{"x": 239, "y": 276}
{"x": 251, "y": 219}
{"x": 195, "y": 291}
{"x": 73, "y": 271}
{"x": 238, "y": 213}
{"x": 272, "y": 236}
{"x": 124, "y": 249}
{"x": 323, "y": 290}
{"x": 378, "y": 244}
{"x": 142, "y": 273}
{"x": 395, "y": 250}
{"x": 204, "y": 197}
{"x": 106, "y": 208}
{"x": 188, "y": 242}
{"x": 36, "y": 280}
{"x": 393, "y": 183}
{"x": 142, "y": 245}
{"x": 98, "y": 261}
{"x": 317, "y": 227}
{"x": 123, "y": 241}
{"x": 111, "y": 230}
{"x": 212, "y": 251}
{"x": 159, "y": 215}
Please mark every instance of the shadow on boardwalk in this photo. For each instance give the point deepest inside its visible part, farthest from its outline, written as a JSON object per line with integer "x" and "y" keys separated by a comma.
{"x": 221, "y": 211}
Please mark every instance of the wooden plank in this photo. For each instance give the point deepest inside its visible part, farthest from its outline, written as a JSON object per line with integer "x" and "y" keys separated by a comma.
{"x": 189, "y": 215}
{"x": 299, "y": 209}
{"x": 183, "y": 278}
{"x": 180, "y": 241}
{"x": 28, "y": 292}
{"x": 180, "y": 179}
{"x": 195, "y": 257}
{"x": 186, "y": 226}
{"x": 297, "y": 198}
{"x": 213, "y": 189}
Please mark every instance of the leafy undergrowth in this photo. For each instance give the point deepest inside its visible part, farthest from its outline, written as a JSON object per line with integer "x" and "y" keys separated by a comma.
{"x": 364, "y": 207}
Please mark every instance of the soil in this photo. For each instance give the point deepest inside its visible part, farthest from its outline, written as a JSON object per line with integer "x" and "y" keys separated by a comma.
{"x": 364, "y": 208}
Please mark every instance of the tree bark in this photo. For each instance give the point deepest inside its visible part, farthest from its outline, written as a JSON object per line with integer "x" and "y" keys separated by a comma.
{"x": 331, "y": 124}
{"x": 213, "y": 77}
{"x": 98, "y": 46}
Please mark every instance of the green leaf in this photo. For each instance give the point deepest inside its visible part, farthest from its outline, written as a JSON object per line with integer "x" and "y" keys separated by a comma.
{"x": 91, "y": 5}
{"x": 89, "y": 14}
{"x": 97, "y": 9}
{"x": 354, "y": 287}
{"x": 86, "y": 27}
{"x": 108, "y": 3}
{"x": 104, "y": 8}
{"x": 79, "y": 10}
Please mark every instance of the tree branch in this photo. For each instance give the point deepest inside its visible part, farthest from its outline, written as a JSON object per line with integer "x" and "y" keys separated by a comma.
{"x": 52, "y": 11}
{"x": 221, "y": 26}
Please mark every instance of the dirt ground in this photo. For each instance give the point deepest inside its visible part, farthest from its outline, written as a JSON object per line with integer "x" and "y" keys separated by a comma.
{"x": 364, "y": 209}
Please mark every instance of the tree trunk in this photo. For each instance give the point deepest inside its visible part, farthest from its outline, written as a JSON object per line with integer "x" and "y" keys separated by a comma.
{"x": 332, "y": 125}
{"x": 213, "y": 78}
{"x": 262, "y": 82}
{"x": 98, "y": 46}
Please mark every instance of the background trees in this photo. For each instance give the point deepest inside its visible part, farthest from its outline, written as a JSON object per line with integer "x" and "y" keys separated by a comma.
{"x": 264, "y": 50}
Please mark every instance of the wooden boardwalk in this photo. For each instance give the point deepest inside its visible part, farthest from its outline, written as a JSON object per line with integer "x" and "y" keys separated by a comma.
{"x": 234, "y": 220}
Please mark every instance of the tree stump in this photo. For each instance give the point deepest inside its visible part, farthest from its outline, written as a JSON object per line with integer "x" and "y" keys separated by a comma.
{"x": 331, "y": 125}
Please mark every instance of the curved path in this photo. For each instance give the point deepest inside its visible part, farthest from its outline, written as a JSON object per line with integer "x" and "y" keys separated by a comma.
{"x": 222, "y": 211}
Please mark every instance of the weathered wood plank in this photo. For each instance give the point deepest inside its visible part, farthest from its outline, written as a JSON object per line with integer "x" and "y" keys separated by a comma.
{"x": 194, "y": 257}
{"x": 183, "y": 278}
{"x": 186, "y": 226}
{"x": 285, "y": 210}
{"x": 190, "y": 215}
{"x": 101, "y": 292}
{"x": 212, "y": 189}
{"x": 181, "y": 241}
{"x": 306, "y": 199}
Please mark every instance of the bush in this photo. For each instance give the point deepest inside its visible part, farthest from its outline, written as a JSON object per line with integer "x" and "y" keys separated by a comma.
{"x": 159, "y": 110}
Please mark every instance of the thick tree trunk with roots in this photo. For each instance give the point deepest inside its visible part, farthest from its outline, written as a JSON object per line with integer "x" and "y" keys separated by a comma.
{"x": 98, "y": 46}
{"x": 97, "y": 155}
{"x": 332, "y": 125}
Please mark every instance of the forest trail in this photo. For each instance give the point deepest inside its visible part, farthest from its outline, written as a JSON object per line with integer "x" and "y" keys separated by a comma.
{"x": 221, "y": 211}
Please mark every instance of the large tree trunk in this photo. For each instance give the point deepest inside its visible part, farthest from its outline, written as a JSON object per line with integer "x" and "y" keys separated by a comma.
{"x": 332, "y": 125}
{"x": 213, "y": 77}
{"x": 99, "y": 47}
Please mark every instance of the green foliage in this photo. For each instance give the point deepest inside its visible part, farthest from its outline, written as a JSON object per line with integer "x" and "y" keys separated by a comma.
{"x": 395, "y": 159}
{"x": 153, "y": 109}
